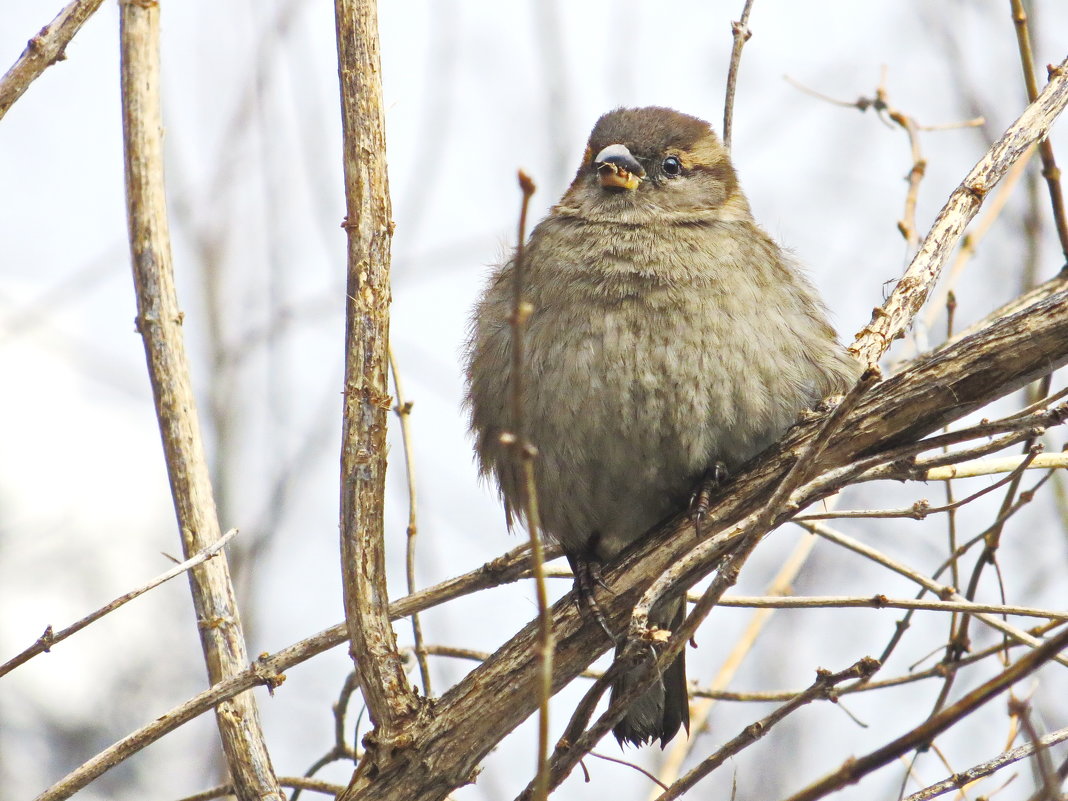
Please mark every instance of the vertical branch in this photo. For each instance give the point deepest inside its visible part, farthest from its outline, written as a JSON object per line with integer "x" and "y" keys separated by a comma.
{"x": 907, "y": 224}
{"x": 741, "y": 32}
{"x": 390, "y": 699}
{"x": 525, "y": 452}
{"x": 1050, "y": 171}
{"x": 404, "y": 413}
{"x": 159, "y": 321}
{"x": 44, "y": 50}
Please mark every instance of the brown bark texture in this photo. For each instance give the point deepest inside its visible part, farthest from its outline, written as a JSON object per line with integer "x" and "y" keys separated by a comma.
{"x": 159, "y": 322}
{"x": 391, "y": 702}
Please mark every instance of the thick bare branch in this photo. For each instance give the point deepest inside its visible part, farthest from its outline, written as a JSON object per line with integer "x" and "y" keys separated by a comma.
{"x": 472, "y": 717}
{"x": 159, "y": 321}
{"x": 390, "y": 699}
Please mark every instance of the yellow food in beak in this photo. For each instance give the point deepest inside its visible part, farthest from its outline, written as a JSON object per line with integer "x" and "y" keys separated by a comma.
{"x": 617, "y": 168}
{"x": 614, "y": 176}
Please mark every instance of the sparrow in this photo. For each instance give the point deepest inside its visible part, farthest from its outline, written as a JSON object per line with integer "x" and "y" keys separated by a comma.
{"x": 669, "y": 338}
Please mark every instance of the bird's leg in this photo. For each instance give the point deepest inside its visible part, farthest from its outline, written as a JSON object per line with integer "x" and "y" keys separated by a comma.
{"x": 587, "y": 577}
{"x": 700, "y": 501}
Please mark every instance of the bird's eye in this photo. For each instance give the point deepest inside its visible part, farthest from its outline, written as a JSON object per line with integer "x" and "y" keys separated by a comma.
{"x": 672, "y": 167}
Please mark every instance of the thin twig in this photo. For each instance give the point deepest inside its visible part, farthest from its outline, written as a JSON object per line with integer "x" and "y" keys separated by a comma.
{"x": 700, "y": 710}
{"x": 1052, "y": 286}
{"x": 951, "y": 518}
{"x": 269, "y": 670}
{"x": 44, "y": 50}
{"x": 1041, "y": 403}
{"x": 48, "y": 640}
{"x": 958, "y": 781}
{"x": 989, "y": 467}
{"x": 822, "y": 687}
{"x": 909, "y": 467}
{"x": 1025, "y": 498}
{"x": 907, "y": 224}
{"x": 883, "y": 602}
{"x": 1020, "y": 710}
{"x": 403, "y": 409}
{"x": 159, "y": 321}
{"x": 891, "y": 319}
{"x": 936, "y": 672}
{"x": 922, "y": 508}
{"x": 741, "y": 33}
{"x": 1041, "y": 795}
{"x": 944, "y": 592}
{"x": 525, "y": 453}
{"x": 630, "y": 765}
{"x": 958, "y": 641}
{"x": 340, "y": 749}
{"x": 894, "y": 463}
{"x": 296, "y": 782}
{"x": 854, "y": 769}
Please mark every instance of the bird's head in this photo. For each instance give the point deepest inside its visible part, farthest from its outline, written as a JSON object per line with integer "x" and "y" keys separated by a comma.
{"x": 654, "y": 164}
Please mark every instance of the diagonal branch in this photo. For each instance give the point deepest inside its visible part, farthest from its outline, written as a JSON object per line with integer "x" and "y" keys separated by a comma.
{"x": 959, "y": 781}
{"x": 475, "y": 714}
{"x": 159, "y": 320}
{"x": 49, "y": 639}
{"x": 44, "y": 50}
{"x": 822, "y": 688}
{"x": 855, "y": 769}
{"x": 891, "y": 320}
{"x": 268, "y": 669}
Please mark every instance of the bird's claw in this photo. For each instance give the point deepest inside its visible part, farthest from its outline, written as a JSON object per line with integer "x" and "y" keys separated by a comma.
{"x": 587, "y": 578}
{"x": 701, "y": 500}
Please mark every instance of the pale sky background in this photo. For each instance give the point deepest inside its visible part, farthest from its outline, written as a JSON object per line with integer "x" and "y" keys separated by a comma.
{"x": 474, "y": 90}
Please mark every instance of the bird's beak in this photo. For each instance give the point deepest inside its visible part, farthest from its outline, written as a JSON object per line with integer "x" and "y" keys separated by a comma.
{"x": 617, "y": 168}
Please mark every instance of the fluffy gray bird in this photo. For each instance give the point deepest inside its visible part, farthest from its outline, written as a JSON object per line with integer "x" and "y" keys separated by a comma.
{"x": 669, "y": 336}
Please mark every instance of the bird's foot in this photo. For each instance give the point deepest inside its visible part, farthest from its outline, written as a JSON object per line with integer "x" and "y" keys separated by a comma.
{"x": 701, "y": 500}
{"x": 587, "y": 579}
